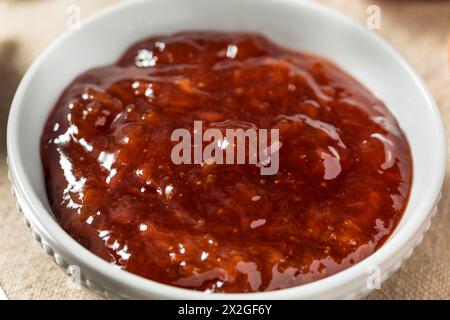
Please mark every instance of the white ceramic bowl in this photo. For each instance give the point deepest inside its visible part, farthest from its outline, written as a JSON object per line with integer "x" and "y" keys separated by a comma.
{"x": 302, "y": 25}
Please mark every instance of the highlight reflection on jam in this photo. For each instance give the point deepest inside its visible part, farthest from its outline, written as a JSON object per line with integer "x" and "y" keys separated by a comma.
{"x": 342, "y": 186}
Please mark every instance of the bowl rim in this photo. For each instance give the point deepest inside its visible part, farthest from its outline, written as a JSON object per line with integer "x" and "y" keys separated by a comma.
{"x": 44, "y": 222}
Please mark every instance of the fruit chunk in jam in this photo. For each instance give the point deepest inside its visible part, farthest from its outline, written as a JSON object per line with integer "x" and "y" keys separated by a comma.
{"x": 342, "y": 186}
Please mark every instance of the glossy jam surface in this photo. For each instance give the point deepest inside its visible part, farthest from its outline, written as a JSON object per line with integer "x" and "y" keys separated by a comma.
{"x": 342, "y": 186}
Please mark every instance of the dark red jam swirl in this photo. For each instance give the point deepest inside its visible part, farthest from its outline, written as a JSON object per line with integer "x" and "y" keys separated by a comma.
{"x": 344, "y": 176}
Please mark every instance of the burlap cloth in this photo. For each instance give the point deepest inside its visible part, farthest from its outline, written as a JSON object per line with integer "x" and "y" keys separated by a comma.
{"x": 418, "y": 29}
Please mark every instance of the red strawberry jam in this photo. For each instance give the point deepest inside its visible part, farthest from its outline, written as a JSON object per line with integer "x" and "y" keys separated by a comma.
{"x": 345, "y": 167}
